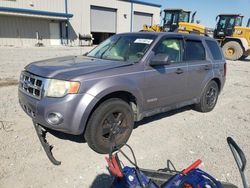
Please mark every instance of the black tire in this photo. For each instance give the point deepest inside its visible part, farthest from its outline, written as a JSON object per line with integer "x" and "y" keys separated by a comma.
{"x": 113, "y": 114}
{"x": 232, "y": 50}
{"x": 208, "y": 98}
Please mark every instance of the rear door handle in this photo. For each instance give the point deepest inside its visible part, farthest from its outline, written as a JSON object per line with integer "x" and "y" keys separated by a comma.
{"x": 179, "y": 71}
{"x": 207, "y": 67}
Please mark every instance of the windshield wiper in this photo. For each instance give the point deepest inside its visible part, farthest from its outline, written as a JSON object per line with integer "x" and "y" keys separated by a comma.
{"x": 111, "y": 46}
{"x": 85, "y": 54}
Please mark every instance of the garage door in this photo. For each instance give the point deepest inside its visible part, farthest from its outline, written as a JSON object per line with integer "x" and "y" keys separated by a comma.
{"x": 21, "y": 31}
{"x": 54, "y": 29}
{"x": 103, "y": 19}
{"x": 140, "y": 19}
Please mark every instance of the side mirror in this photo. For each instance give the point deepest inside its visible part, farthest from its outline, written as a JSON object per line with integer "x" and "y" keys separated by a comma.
{"x": 159, "y": 59}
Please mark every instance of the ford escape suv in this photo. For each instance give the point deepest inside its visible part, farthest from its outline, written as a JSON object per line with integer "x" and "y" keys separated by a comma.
{"x": 126, "y": 78}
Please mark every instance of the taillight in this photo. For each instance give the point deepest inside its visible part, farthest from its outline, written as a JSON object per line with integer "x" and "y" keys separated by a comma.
{"x": 225, "y": 69}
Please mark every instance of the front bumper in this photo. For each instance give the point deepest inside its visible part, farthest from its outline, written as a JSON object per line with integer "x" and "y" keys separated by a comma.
{"x": 74, "y": 108}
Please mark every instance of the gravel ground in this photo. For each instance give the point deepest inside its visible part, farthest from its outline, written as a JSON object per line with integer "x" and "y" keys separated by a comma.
{"x": 182, "y": 136}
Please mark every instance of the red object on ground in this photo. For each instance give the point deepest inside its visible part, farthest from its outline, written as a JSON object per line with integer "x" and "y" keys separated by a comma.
{"x": 192, "y": 166}
{"x": 114, "y": 167}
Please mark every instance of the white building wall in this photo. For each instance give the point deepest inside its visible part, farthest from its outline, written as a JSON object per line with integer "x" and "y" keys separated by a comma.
{"x": 18, "y": 29}
{"x": 43, "y": 5}
{"x": 148, "y": 9}
{"x": 81, "y": 19}
{"x": 80, "y": 22}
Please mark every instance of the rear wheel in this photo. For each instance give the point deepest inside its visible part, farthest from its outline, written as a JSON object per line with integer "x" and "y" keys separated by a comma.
{"x": 208, "y": 98}
{"x": 232, "y": 50}
{"x": 112, "y": 119}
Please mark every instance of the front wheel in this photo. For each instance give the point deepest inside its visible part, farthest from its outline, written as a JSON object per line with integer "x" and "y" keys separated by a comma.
{"x": 208, "y": 98}
{"x": 232, "y": 50}
{"x": 111, "y": 121}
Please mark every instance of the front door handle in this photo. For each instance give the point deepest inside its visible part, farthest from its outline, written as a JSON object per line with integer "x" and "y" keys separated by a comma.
{"x": 179, "y": 71}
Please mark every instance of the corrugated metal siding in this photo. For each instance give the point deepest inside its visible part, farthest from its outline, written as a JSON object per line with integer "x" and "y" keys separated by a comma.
{"x": 21, "y": 31}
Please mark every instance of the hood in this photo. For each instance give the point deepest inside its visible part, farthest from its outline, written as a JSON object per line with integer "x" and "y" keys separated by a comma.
{"x": 69, "y": 67}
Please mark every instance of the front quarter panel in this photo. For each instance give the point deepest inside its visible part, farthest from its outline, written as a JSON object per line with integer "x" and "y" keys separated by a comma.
{"x": 129, "y": 82}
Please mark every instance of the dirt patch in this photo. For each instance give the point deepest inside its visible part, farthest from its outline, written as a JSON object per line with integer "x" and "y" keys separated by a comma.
{"x": 8, "y": 82}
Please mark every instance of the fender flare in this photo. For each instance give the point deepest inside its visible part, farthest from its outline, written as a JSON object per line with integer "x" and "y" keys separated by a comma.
{"x": 106, "y": 87}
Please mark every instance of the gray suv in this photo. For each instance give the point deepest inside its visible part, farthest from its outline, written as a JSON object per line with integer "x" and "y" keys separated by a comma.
{"x": 126, "y": 78}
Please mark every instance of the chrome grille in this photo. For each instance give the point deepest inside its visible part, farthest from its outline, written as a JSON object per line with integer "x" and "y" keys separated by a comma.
{"x": 31, "y": 85}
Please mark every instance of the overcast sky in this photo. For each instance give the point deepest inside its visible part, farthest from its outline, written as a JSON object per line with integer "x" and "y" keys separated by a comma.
{"x": 207, "y": 10}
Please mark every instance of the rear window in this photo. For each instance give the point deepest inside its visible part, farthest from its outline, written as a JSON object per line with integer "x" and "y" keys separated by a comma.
{"x": 214, "y": 49}
{"x": 194, "y": 50}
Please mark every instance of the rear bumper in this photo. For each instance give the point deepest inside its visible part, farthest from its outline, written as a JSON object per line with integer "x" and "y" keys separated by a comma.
{"x": 74, "y": 108}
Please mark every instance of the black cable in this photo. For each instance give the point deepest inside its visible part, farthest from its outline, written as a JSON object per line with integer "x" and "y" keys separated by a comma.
{"x": 137, "y": 169}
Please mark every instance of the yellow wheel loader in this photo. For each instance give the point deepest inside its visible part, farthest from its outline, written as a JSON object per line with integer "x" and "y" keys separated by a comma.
{"x": 232, "y": 36}
{"x": 177, "y": 20}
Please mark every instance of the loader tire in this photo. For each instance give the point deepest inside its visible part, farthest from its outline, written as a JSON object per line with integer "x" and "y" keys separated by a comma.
{"x": 232, "y": 50}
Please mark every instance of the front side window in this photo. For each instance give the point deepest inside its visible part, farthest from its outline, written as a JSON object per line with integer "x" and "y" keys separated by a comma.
{"x": 238, "y": 21}
{"x": 194, "y": 50}
{"x": 171, "y": 47}
{"x": 184, "y": 17}
{"x": 123, "y": 47}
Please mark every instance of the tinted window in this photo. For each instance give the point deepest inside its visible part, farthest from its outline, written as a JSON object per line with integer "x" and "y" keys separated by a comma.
{"x": 194, "y": 51}
{"x": 171, "y": 47}
{"x": 184, "y": 17}
{"x": 214, "y": 49}
{"x": 238, "y": 21}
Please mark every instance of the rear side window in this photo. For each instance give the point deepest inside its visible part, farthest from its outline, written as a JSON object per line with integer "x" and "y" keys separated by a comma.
{"x": 194, "y": 50}
{"x": 214, "y": 49}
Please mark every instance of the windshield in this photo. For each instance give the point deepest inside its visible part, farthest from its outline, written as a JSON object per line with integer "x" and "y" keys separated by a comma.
{"x": 228, "y": 22}
{"x": 172, "y": 18}
{"x": 123, "y": 47}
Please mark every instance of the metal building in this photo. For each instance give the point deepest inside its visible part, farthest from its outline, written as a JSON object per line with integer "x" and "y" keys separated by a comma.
{"x": 62, "y": 22}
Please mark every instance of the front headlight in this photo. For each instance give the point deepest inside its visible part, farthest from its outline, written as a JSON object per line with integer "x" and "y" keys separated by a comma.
{"x": 59, "y": 88}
